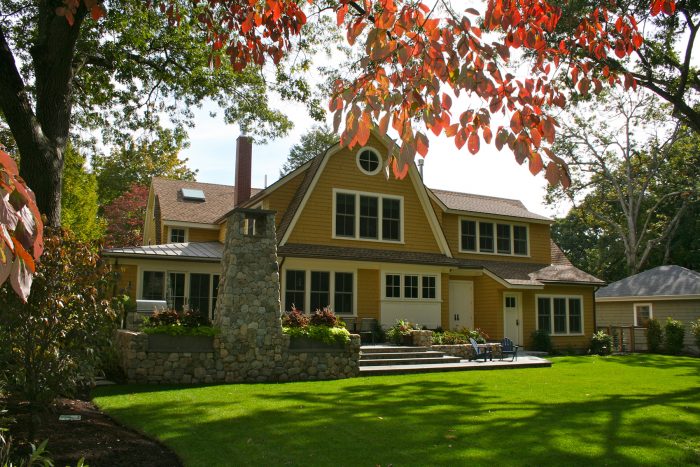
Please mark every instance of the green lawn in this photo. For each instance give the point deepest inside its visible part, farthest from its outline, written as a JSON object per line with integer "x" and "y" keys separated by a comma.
{"x": 630, "y": 410}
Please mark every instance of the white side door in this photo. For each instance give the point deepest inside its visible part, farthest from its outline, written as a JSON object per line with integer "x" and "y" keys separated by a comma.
{"x": 513, "y": 317}
{"x": 461, "y": 304}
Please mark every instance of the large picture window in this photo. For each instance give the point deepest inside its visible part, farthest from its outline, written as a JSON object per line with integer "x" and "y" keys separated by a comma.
{"x": 319, "y": 289}
{"x": 493, "y": 238}
{"x": 367, "y": 216}
{"x": 560, "y": 315}
{"x": 295, "y": 292}
{"x": 153, "y": 285}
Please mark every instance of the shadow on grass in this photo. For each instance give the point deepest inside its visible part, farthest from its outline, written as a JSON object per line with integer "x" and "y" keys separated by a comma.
{"x": 415, "y": 421}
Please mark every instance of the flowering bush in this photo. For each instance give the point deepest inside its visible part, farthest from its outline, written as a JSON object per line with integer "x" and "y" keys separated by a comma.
{"x": 189, "y": 323}
{"x": 401, "y": 328}
{"x": 695, "y": 330}
{"x": 323, "y": 326}
{"x": 461, "y": 336}
{"x": 601, "y": 343}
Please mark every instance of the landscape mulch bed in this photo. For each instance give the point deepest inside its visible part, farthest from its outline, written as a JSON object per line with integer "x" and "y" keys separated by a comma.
{"x": 96, "y": 437}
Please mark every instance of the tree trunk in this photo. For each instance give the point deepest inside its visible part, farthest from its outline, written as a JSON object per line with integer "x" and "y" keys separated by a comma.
{"x": 42, "y": 135}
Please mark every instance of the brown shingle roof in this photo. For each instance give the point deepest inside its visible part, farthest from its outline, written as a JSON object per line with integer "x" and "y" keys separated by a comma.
{"x": 219, "y": 199}
{"x": 299, "y": 250}
{"x": 558, "y": 256}
{"x": 485, "y": 204}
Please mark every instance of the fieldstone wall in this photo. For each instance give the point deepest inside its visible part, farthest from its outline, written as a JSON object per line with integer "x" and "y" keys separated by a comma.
{"x": 422, "y": 338}
{"x": 141, "y": 366}
{"x": 251, "y": 346}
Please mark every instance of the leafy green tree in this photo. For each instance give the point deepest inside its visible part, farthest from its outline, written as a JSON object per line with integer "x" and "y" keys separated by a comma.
{"x": 137, "y": 162}
{"x": 312, "y": 144}
{"x": 61, "y": 70}
{"x": 664, "y": 63}
{"x": 633, "y": 177}
{"x": 79, "y": 208}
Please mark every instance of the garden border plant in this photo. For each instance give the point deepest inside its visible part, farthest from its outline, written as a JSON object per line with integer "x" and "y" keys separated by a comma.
{"x": 323, "y": 326}
{"x": 674, "y": 333}
{"x": 172, "y": 323}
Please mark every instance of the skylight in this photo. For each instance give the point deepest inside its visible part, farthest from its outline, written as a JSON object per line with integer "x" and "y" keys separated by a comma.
{"x": 192, "y": 195}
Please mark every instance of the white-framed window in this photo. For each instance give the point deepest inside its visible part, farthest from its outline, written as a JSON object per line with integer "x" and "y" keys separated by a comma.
{"x": 368, "y": 161}
{"x": 177, "y": 235}
{"x": 311, "y": 290}
{"x": 410, "y": 286}
{"x": 643, "y": 312}
{"x": 490, "y": 237}
{"x": 367, "y": 216}
{"x": 182, "y": 290}
{"x": 560, "y": 314}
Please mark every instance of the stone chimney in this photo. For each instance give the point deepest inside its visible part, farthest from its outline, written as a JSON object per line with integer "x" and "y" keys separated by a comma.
{"x": 244, "y": 163}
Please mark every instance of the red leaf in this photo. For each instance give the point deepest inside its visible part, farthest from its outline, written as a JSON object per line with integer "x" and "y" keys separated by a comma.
{"x": 552, "y": 173}
{"x": 535, "y": 164}
{"x": 516, "y": 123}
{"x": 487, "y": 134}
{"x": 473, "y": 144}
{"x": 422, "y": 144}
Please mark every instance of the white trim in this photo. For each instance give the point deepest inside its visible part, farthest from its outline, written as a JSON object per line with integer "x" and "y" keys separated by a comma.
{"x": 380, "y": 208}
{"x": 640, "y": 298}
{"x": 495, "y": 252}
{"x": 380, "y": 161}
{"x": 194, "y": 225}
{"x": 551, "y": 314}
{"x": 639, "y": 305}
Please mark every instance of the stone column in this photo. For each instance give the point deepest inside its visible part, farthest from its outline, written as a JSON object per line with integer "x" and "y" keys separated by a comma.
{"x": 248, "y": 305}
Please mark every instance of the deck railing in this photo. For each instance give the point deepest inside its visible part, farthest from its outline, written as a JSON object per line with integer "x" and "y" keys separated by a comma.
{"x": 626, "y": 338}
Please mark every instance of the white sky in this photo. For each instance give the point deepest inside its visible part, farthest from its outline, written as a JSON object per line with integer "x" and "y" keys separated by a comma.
{"x": 493, "y": 173}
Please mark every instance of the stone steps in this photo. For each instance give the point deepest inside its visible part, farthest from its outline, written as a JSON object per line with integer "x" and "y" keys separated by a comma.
{"x": 400, "y": 358}
{"x": 409, "y": 361}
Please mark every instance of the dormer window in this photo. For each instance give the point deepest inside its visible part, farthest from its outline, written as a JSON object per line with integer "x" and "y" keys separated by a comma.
{"x": 368, "y": 161}
{"x": 177, "y": 235}
{"x": 367, "y": 216}
{"x": 493, "y": 238}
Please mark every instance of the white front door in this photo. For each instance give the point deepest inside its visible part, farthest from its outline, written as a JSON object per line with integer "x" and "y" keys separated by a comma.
{"x": 461, "y": 304}
{"x": 513, "y": 317}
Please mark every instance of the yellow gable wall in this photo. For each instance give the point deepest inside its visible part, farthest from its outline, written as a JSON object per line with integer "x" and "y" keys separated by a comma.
{"x": 539, "y": 241}
{"x": 280, "y": 198}
{"x": 315, "y": 224}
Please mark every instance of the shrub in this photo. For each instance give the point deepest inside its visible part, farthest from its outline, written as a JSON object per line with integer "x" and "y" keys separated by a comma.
{"x": 325, "y": 334}
{"x": 164, "y": 317}
{"x": 324, "y": 317}
{"x": 655, "y": 335}
{"x": 295, "y": 319}
{"x": 541, "y": 341}
{"x": 52, "y": 344}
{"x": 194, "y": 318}
{"x": 460, "y": 337}
{"x": 695, "y": 330}
{"x": 400, "y": 329}
{"x": 674, "y": 336}
{"x": 601, "y": 343}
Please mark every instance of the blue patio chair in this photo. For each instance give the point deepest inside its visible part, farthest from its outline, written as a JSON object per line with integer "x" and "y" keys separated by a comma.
{"x": 480, "y": 352}
{"x": 508, "y": 348}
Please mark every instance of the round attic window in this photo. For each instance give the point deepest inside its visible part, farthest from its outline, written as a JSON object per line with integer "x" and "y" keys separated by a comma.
{"x": 368, "y": 161}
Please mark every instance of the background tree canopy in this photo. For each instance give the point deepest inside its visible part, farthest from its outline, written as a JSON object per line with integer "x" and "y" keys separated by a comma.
{"x": 313, "y": 143}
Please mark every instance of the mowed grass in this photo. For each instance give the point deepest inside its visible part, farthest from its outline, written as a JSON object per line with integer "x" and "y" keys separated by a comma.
{"x": 627, "y": 410}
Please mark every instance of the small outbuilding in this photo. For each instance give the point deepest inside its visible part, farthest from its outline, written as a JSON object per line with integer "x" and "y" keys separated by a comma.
{"x": 657, "y": 293}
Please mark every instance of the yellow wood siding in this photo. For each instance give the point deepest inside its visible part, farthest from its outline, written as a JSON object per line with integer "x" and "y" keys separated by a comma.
{"x": 368, "y": 294}
{"x": 279, "y": 199}
{"x": 488, "y": 306}
{"x": 315, "y": 224}
{"x": 529, "y": 305}
{"x": 539, "y": 241}
{"x": 126, "y": 279}
{"x": 202, "y": 235}
{"x": 445, "y": 305}
{"x": 149, "y": 236}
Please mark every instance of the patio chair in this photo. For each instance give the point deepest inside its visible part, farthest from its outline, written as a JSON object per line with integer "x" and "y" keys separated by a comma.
{"x": 367, "y": 326}
{"x": 350, "y": 325}
{"x": 480, "y": 352}
{"x": 508, "y": 348}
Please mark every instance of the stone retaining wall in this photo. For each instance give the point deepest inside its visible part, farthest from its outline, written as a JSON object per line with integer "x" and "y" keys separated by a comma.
{"x": 142, "y": 366}
{"x": 422, "y": 338}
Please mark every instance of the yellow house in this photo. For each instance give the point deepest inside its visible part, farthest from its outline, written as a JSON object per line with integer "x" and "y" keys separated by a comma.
{"x": 370, "y": 247}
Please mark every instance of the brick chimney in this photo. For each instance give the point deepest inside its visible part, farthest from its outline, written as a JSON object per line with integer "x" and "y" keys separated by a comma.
{"x": 244, "y": 162}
